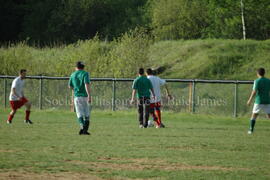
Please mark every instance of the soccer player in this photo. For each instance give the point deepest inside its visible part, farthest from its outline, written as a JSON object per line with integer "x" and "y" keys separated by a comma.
{"x": 79, "y": 82}
{"x": 142, "y": 86}
{"x": 261, "y": 90}
{"x": 156, "y": 103}
{"x": 17, "y": 98}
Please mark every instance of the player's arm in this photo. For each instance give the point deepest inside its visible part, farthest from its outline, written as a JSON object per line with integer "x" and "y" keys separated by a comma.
{"x": 133, "y": 96}
{"x": 167, "y": 92}
{"x": 13, "y": 88}
{"x": 87, "y": 88}
{"x": 14, "y": 92}
{"x": 252, "y": 95}
{"x": 72, "y": 89}
{"x": 72, "y": 94}
{"x": 152, "y": 89}
{"x": 153, "y": 93}
{"x": 163, "y": 82}
{"x": 70, "y": 86}
{"x": 134, "y": 87}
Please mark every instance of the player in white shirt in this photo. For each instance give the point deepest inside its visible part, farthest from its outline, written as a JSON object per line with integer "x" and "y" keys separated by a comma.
{"x": 17, "y": 98}
{"x": 156, "y": 102}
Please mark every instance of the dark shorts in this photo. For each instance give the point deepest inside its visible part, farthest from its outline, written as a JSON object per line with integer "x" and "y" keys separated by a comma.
{"x": 18, "y": 104}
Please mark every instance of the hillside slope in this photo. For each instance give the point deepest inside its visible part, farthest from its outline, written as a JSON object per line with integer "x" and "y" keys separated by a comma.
{"x": 200, "y": 59}
{"x": 211, "y": 59}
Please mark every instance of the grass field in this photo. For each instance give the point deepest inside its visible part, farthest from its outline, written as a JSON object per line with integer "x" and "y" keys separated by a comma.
{"x": 190, "y": 147}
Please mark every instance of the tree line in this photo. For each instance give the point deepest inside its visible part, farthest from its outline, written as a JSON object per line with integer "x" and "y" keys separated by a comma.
{"x": 46, "y": 22}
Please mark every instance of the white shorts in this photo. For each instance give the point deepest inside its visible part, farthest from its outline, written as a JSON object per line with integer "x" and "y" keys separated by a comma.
{"x": 258, "y": 107}
{"x": 82, "y": 107}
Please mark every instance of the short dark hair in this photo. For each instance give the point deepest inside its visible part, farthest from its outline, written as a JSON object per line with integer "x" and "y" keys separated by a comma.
{"x": 80, "y": 65}
{"x": 141, "y": 71}
{"x": 149, "y": 71}
{"x": 261, "y": 71}
{"x": 22, "y": 71}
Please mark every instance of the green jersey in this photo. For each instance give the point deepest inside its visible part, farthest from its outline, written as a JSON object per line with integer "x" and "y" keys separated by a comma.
{"x": 142, "y": 85}
{"x": 262, "y": 88}
{"x": 77, "y": 81}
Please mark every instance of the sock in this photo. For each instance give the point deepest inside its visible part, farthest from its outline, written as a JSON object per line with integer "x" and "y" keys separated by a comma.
{"x": 158, "y": 113}
{"x": 27, "y": 114}
{"x": 10, "y": 117}
{"x": 155, "y": 118}
{"x": 86, "y": 124}
{"x": 81, "y": 122}
{"x": 252, "y": 124}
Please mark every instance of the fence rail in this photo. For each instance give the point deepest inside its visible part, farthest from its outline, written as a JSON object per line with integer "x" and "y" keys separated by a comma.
{"x": 189, "y": 85}
{"x": 129, "y": 79}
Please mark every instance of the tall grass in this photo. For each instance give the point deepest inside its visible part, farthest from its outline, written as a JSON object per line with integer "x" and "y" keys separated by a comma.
{"x": 211, "y": 59}
{"x": 208, "y": 59}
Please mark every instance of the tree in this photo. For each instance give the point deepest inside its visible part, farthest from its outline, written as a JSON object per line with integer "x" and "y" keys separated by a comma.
{"x": 11, "y": 18}
{"x": 70, "y": 20}
{"x": 179, "y": 19}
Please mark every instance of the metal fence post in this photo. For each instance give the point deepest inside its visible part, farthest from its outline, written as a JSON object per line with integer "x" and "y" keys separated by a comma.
{"x": 193, "y": 96}
{"x": 235, "y": 106}
{"x": 40, "y": 92}
{"x": 190, "y": 97}
{"x": 5, "y": 92}
{"x": 113, "y": 95}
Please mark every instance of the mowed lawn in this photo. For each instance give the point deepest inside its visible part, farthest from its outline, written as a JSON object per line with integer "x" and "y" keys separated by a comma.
{"x": 190, "y": 147}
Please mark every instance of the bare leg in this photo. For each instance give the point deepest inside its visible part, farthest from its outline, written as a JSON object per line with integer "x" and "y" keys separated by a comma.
{"x": 28, "y": 106}
{"x": 13, "y": 112}
{"x": 255, "y": 115}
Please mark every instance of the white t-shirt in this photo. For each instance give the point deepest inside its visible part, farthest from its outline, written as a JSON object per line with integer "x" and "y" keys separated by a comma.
{"x": 18, "y": 84}
{"x": 156, "y": 82}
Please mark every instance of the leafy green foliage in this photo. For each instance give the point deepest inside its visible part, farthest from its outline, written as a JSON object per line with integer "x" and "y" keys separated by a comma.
{"x": 68, "y": 21}
{"x": 179, "y": 19}
{"x": 51, "y": 22}
{"x": 130, "y": 53}
{"x": 207, "y": 59}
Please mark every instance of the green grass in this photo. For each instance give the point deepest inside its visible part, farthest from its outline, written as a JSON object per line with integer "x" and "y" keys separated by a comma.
{"x": 190, "y": 147}
{"x": 198, "y": 59}
{"x": 211, "y": 58}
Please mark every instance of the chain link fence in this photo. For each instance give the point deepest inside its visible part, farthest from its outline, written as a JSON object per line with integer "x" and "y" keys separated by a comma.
{"x": 189, "y": 96}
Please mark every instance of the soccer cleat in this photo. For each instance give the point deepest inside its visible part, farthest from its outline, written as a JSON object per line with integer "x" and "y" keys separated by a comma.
{"x": 9, "y": 122}
{"x": 86, "y": 133}
{"x": 162, "y": 125}
{"x": 81, "y": 132}
{"x": 250, "y": 132}
{"x": 141, "y": 126}
{"x": 28, "y": 121}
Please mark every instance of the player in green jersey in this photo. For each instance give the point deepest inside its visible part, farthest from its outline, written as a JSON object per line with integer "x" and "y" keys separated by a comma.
{"x": 142, "y": 87}
{"x": 261, "y": 92}
{"x": 79, "y": 82}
